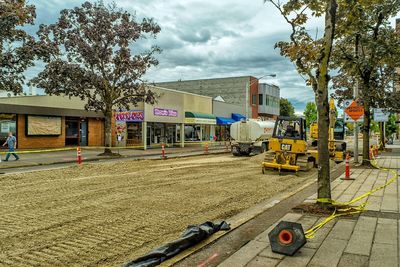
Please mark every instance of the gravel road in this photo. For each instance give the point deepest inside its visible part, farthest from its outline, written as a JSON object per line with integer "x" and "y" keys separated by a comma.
{"x": 107, "y": 214}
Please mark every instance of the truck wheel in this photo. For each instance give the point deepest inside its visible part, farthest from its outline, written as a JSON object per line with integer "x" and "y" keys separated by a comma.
{"x": 263, "y": 147}
{"x": 236, "y": 151}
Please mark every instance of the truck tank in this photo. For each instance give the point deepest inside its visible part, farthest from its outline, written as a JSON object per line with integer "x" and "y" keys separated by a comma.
{"x": 250, "y": 136}
{"x": 251, "y": 130}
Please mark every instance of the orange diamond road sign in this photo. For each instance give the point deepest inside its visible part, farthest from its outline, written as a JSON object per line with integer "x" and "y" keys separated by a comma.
{"x": 354, "y": 111}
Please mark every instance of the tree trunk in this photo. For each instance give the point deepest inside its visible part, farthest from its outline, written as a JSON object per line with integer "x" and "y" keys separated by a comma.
{"x": 366, "y": 129}
{"x": 324, "y": 183}
{"x": 108, "y": 132}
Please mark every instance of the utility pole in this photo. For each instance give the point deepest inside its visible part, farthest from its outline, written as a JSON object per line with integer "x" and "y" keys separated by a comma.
{"x": 355, "y": 95}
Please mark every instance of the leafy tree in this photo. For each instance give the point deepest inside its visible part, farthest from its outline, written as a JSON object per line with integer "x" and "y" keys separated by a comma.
{"x": 375, "y": 126}
{"x": 90, "y": 56}
{"x": 286, "y": 107}
{"x": 391, "y": 126}
{"x": 16, "y": 53}
{"x": 310, "y": 113}
{"x": 311, "y": 57}
{"x": 367, "y": 53}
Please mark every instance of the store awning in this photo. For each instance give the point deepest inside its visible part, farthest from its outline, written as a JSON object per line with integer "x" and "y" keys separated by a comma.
{"x": 224, "y": 121}
{"x": 200, "y": 118}
{"x": 238, "y": 117}
{"x": 199, "y": 115}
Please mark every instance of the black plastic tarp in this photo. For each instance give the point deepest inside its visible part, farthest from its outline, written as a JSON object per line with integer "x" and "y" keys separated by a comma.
{"x": 193, "y": 235}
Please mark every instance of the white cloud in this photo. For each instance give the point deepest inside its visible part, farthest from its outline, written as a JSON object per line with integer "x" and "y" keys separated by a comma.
{"x": 207, "y": 39}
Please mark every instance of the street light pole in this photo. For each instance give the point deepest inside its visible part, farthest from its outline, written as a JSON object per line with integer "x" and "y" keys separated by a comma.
{"x": 355, "y": 95}
{"x": 247, "y": 98}
{"x": 356, "y": 126}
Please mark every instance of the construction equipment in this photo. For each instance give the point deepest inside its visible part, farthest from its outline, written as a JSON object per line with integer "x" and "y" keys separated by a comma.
{"x": 251, "y": 135}
{"x": 337, "y": 147}
{"x": 288, "y": 147}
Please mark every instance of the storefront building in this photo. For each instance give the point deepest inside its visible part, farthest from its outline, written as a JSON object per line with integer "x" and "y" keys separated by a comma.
{"x": 226, "y": 114}
{"x": 199, "y": 126}
{"x": 49, "y": 122}
{"x": 176, "y": 117}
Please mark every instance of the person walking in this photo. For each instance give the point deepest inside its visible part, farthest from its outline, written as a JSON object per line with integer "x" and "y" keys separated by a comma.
{"x": 12, "y": 145}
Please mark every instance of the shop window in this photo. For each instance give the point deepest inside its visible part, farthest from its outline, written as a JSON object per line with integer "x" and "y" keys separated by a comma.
{"x": 8, "y": 123}
{"x": 254, "y": 99}
{"x": 71, "y": 131}
{"x": 192, "y": 132}
{"x": 260, "y": 99}
{"x": 133, "y": 133}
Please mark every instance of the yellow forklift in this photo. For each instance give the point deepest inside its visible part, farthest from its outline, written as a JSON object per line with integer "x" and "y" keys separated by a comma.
{"x": 288, "y": 147}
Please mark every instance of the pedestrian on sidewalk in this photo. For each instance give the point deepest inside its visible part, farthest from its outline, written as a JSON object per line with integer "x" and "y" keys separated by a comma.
{"x": 12, "y": 145}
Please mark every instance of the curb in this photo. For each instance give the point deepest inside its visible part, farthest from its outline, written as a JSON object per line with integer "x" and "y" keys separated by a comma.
{"x": 243, "y": 217}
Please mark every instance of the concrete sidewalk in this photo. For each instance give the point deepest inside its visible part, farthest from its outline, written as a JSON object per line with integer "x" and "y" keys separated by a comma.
{"x": 91, "y": 154}
{"x": 369, "y": 239}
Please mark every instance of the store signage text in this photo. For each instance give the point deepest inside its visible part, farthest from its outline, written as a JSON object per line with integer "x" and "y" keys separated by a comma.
{"x": 165, "y": 112}
{"x": 131, "y": 115}
{"x": 200, "y": 121}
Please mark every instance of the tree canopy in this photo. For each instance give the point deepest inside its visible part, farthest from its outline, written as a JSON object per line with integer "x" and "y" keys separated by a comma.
{"x": 286, "y": 107}
{"x": 366, "y": 55}
{"x": 91, "y": 55}
{"x": 16, "y": 45}
{"x": 310, "y": 113}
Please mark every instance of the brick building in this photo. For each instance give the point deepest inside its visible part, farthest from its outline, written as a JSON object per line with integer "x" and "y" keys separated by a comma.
{"x": 49, "y": 122}
{"x": 257, "y": 99}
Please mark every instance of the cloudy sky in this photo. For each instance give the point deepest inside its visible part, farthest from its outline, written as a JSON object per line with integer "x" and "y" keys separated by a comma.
{"x": 209, "y": 39}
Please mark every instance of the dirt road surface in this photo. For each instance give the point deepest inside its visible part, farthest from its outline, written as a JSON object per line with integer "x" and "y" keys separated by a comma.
{"x": 107, "y": 214}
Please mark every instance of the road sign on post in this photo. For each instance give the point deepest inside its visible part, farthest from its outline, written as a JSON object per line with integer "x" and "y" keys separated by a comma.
{"x": 380, "y": 115}
{"x": 353, "y": 111}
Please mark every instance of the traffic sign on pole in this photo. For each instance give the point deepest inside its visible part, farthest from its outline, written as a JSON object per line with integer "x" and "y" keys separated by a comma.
{"x": 353, "y": 111}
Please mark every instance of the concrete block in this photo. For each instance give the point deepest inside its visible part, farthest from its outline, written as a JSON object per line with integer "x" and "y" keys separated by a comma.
{"x": 262, "y": 262}
{"x": 353, "y": 260}
{"x": 244, "y": 255}
{"x": 342, "y": 229}
{"x": 329, "y": 253}
{"x": 360, "y": 243}
{"x": 269, "y": 254}
{"x": 383, "y": 255}
{"x": 345, "y": 197}
{"x": 365, "y": 224}
{"x": 374, "y": 203}
{"x": 300, "y": 259}
{"x": 386, "y": 231}
{"x": 320, "y": 235}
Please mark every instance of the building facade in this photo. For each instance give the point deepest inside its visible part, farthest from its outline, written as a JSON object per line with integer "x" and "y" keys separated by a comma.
{"x": 268, "y": 101}
{"x": 242, "y": 91}
{"x": 49, "y": 122}
{"x": 175, "y": 119}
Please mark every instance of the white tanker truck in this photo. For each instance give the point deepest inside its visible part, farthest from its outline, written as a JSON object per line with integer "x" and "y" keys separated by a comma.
{"x": 250, "y": 136}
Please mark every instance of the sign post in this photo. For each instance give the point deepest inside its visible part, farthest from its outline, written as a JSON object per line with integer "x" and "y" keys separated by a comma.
{"x": 381, "y": 116}
{"x": 354, "y": 112}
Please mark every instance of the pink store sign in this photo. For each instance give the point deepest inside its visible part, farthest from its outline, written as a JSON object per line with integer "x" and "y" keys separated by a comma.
{"x": 165, "y": 112}
{"x": 130, "y": 115}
